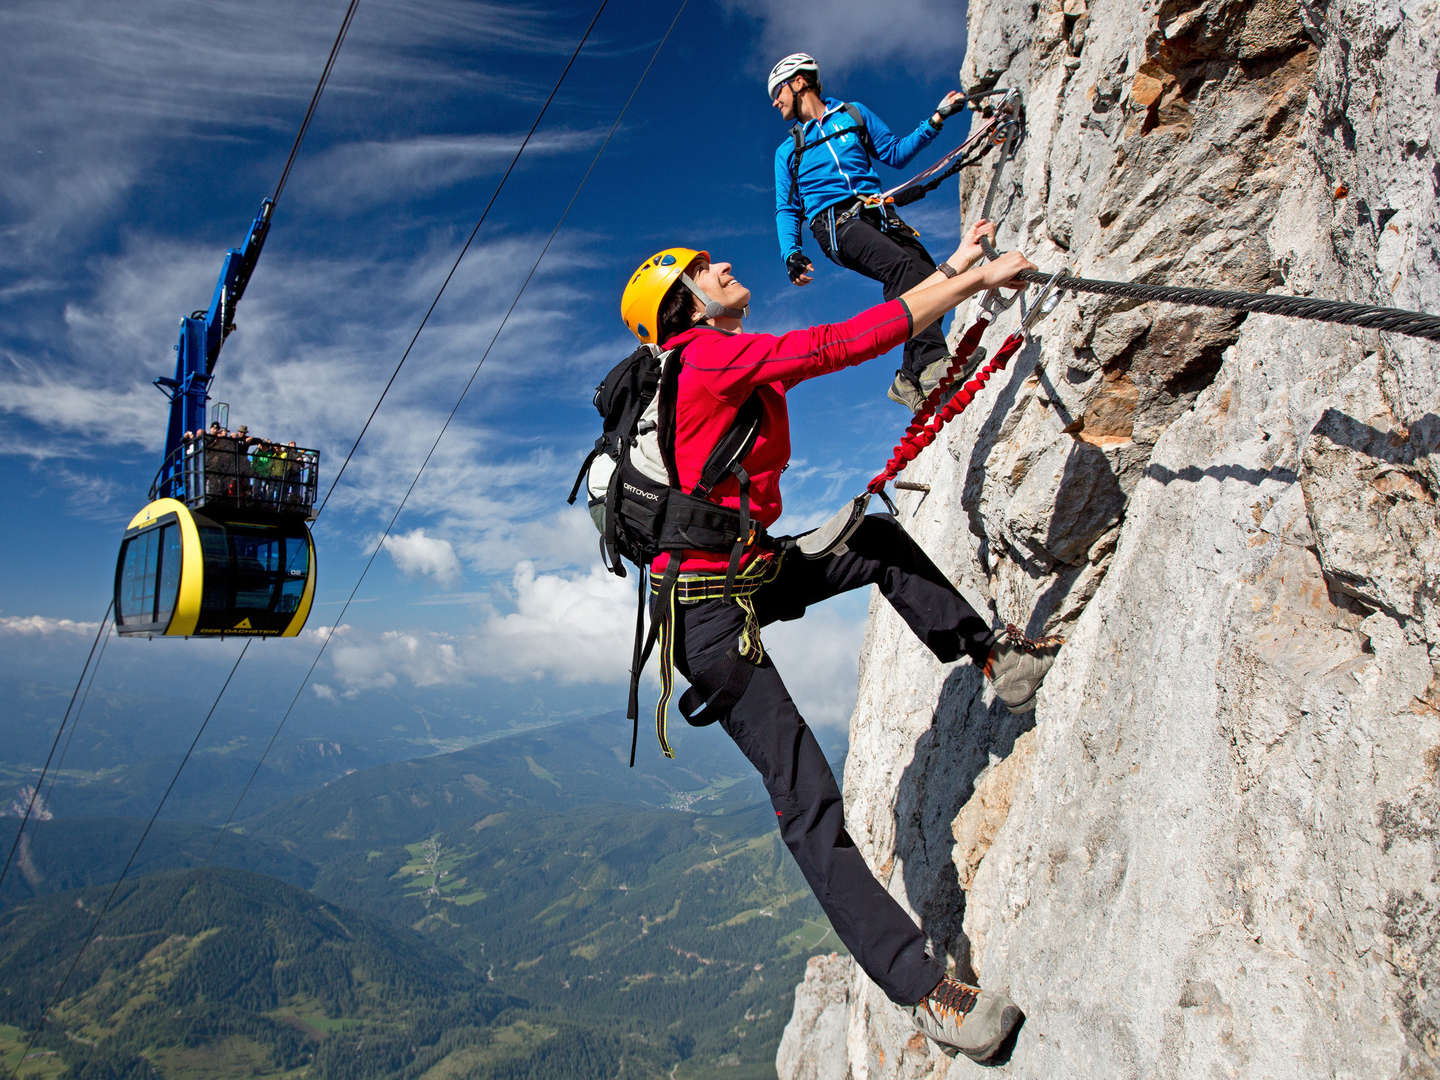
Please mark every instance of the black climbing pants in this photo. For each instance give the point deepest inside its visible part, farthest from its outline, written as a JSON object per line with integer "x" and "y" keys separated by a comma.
{"x": 891, "y": 255}
{"x": 768, "y": 728}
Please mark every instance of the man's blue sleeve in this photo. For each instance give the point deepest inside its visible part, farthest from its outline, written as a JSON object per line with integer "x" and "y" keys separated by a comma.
{"x": 788, "y": 212}
{"x": 890, "y": 149}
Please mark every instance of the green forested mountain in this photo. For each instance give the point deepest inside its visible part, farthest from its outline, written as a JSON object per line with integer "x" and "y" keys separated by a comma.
{"x": 223, "y": 973}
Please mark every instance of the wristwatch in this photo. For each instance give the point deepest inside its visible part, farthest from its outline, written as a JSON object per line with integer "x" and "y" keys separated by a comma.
{"x": 948, "y": 270}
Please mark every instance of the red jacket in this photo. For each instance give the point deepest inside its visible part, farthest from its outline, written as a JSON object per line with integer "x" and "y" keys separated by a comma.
{"x": 719, "y": 372}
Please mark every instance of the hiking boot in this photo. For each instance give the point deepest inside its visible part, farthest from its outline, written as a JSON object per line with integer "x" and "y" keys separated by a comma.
{"x": 974, "y": 1021}
{"x": 904, "y": 391}
{"x": 933, "y": 373}
{"x": 1017, "y": 667}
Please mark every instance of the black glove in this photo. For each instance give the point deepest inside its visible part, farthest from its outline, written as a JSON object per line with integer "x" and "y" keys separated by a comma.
{"x": 947, "y": 109}
{"x": 797, "y": 266}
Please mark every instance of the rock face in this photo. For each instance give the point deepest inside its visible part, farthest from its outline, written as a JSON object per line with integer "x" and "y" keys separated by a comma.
{"x": 1214, "y": 849}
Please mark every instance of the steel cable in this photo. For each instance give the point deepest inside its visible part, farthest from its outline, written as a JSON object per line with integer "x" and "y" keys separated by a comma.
{"x": 1393, "y": 320}
{"x": 55, "y": 743}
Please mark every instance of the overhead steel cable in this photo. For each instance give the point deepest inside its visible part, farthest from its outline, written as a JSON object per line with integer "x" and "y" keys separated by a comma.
{"x": 455, "y": 266}
{"x": 315, "y": 98}
{"x": 463, "y": 393}
{"x": 55, "y": 743}
{"x": 105, "y": 640}
{"x": 135, "y": 851}
{"x": 458, "y": 258}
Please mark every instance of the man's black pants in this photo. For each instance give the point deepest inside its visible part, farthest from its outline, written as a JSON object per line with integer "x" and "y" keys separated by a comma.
{"x": 894, "y": 257}
{"x": 768, "y": 728}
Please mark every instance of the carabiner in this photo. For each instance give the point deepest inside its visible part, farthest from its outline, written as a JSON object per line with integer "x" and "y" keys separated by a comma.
{"x": 1043, "y": 304}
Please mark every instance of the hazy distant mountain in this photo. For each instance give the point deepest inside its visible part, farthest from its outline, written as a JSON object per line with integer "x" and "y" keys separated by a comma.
{"x": 643, "y": 922}
{"x": 551, "y": 767}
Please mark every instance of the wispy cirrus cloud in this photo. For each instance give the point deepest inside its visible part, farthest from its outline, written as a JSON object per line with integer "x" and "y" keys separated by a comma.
{"x": 852, "y": 30}
{"x": 366, "y": 173}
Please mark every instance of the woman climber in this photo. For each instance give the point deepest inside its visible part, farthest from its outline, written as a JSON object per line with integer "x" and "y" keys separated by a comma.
{"x": 682, "y": 300}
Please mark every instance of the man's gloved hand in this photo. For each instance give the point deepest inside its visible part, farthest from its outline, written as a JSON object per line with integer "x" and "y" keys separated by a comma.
{"x": 799, "y": 268}
{"x": 950, "y": 104}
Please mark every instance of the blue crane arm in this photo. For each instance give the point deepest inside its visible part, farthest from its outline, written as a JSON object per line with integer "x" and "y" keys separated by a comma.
{"x": 202, "y": 334}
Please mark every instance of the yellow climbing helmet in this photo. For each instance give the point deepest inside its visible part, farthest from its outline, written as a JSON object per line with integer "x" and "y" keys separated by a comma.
{"x": 640, "y": 302}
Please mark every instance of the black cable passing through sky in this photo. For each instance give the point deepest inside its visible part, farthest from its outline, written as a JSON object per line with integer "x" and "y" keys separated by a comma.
{"x": 108, "y": 636}
{"x": 458, "y": 258}
{"x": 55, "y": 743}
{"x": 445, "y": 426}
{"x": 380, "y": 400}
{"x": 315, "y": 99}
{"x": 114, "y": 889}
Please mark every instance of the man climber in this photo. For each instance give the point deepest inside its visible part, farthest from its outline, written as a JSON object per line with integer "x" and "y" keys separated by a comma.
{"x": 682, "y": 300}
{"x": 825, "y": 174}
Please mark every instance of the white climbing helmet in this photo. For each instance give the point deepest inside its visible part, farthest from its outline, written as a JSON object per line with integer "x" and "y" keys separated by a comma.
{"x": 788, "y": 68}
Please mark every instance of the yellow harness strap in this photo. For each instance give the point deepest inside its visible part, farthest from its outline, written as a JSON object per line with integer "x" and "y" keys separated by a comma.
{"x": 692, "y": 588}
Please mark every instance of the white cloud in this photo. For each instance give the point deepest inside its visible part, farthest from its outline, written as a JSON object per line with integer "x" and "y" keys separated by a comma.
{"x": 571, "y": 628}
{"x": 44, "y": 625}
{"x": 417, "y": 554}
{"x": 420, "y": 659}
{"x": 575, "y": 630}
{"x": 853, "y": 30}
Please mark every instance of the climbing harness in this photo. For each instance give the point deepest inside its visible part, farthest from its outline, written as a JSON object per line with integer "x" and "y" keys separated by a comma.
{"x": 641, "y": 510}
{"x": 692, "y": 588}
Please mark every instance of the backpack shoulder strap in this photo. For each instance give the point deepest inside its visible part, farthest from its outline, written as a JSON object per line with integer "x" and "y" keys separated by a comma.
{"x": 799, "y": 145}
{"x": 855, "y": 118}
{"x": 731, "y": 450}
{"x": 670, "y": 365}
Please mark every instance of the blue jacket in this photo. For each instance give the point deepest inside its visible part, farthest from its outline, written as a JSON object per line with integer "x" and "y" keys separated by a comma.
{"x": 837, "y": 170}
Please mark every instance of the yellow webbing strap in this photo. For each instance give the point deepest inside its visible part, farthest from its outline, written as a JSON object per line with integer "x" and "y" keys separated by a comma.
{"x": 691, "y": 589}
{"x": 667, "y": 672}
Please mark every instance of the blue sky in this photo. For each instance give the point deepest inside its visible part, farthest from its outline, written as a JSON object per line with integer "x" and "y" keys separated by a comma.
{"x": 140, "y": 140}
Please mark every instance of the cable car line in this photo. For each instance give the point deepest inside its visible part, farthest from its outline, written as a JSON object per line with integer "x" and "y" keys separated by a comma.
{"x": 619, "y": 118}
{"x": 79, "y": 712}
{"x": 463, "y": 249}
{"x": 59, "y": 731}
{"x": 315, "y": 99}
{"x": 114, "y": 889}
{"x": 365, "y": 570}
{"x": 400, "y": 507}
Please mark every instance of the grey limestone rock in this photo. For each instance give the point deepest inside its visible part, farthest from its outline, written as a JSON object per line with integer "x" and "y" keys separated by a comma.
{"x": 1214, "y": 848}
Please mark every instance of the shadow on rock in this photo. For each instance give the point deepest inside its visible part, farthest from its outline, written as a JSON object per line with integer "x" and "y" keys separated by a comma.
{"x": 964, "y": 737}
